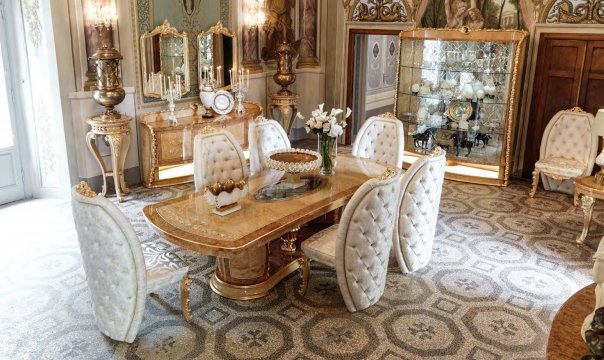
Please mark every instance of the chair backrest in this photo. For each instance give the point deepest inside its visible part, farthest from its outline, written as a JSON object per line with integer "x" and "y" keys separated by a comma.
{"x": 113, "y": 261}
{"x": 264, "y": 136}
{"x": 217, "y": 157}
{"x": 364, "y": 239}
{"x": 415, "y": 225}
{"x": 568, "y": 135}
{"x": 598, "y": 277}
{"x": 381, "y": 138}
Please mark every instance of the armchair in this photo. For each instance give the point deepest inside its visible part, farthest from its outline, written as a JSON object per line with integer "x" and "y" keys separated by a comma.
{"x": 415, "y": 224}
{"x": 119, "y": 275}
{"x": 381, "y": 138}
{"x": 359, "y": 246}
{"x": 568, "y": 150}
{"x": 264, "y": 136}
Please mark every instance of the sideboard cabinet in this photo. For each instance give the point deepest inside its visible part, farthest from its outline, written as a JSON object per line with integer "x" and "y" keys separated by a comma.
{"x": 458, "y": 89}
{"x": 167, "y": 149}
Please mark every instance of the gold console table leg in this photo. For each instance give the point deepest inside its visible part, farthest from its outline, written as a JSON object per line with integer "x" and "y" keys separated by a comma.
{"x": 587, "y": 205}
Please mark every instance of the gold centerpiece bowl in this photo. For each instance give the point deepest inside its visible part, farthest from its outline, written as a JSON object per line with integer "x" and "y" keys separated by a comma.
{"x": 293, "y": 162}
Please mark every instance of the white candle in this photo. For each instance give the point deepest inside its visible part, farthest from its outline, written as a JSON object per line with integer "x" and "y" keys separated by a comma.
{"x": 161, "y": 87}
{"x": 231, "y": 77}
{"x": 218, "y": 76}
{"x": 248, "y": 79}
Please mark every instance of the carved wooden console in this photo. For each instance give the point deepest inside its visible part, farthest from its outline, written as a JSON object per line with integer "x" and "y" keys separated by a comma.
{"x": 167, "y": 149}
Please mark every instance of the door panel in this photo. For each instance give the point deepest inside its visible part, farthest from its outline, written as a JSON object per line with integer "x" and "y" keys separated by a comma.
{"x": 592, "y": 94}
{"x": 11, "y": 181}
{"x": 556, "y": 87}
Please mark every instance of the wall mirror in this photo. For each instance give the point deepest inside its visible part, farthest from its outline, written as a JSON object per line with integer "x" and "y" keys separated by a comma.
{"x": 165, "y": 61}
{"x": 217, "y": 54}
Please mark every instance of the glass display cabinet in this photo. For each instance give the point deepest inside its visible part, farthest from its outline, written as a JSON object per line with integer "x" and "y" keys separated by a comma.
{"x": 458, "y": 89}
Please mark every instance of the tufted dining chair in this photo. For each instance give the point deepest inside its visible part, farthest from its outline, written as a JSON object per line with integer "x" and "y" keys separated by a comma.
{"x": 568, "y": 150}
{"x": 359, "y": 246}
{"x": 119, "y": 275}
{"x": 217, "y": 157}
{"x": 264, "y": 136}
{"x": 598, "y": 277}
{"x": 381, "y": 138}
{"x": 415, "y": 225}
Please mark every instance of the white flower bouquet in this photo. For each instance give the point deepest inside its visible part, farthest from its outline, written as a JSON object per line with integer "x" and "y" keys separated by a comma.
{"x": 322, "y": 123}
{"x": 327, "y": 126}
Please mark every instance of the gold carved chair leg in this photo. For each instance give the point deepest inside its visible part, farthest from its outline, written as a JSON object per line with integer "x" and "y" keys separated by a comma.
{"x": 535, "y": 183}
{"x": 587, "y": 205}
{"x": 185, "y": 286}
{"x": 304, "y": 273}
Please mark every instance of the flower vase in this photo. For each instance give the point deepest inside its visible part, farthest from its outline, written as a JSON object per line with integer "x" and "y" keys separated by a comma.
{"x": 328, "y": 148}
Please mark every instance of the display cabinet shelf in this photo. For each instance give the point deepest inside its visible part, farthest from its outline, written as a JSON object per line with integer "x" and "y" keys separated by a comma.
{"x": 458, "y": 89}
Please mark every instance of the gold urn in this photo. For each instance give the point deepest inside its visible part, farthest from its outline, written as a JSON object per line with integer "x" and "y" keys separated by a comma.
{"x": 285, "y": 76}
{"x": 109, "y": 91}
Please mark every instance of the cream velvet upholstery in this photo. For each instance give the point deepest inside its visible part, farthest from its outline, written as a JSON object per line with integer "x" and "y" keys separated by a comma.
{"x": 415, "y": 226}
{"x": 598, "y": 275}
{"x": 119, "y": 276}
{"x": 381, "y": 139}
{"x": 265, "y": 136}
{"x": 568, "y": 150}
{"x": 217, "y": 157}
{"x": 359, "y": 246}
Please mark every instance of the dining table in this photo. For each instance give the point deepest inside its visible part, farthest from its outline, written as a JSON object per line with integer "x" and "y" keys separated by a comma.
{"x": 258, "y": 246}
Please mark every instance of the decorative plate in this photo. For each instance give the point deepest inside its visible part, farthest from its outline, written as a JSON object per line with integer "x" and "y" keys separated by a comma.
{"x": 459, "y": 110}
{"x": 223, "y": 102}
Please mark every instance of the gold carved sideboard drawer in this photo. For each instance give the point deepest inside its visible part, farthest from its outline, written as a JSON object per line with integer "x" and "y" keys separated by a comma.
{"x": 171, "y": 147}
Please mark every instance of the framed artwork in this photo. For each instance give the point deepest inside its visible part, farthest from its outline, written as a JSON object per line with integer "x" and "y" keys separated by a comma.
{"x": 477, "y": 14}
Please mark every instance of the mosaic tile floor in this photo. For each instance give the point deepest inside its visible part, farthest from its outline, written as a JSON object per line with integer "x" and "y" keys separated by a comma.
{"x": 501, "y": 267}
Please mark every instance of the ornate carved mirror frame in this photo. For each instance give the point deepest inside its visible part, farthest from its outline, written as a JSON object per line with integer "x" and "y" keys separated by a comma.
{"x": 164, "y": 31}
{"x": 207, "y": 51}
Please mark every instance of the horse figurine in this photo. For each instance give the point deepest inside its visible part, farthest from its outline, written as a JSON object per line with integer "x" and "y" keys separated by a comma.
{"x": 459, "y": 143}
{"x": 481, "y": 137}
{"x": 421, "y": 140}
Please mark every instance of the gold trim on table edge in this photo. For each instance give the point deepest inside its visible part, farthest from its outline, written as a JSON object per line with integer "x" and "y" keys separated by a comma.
{"x": 249, "y": 292}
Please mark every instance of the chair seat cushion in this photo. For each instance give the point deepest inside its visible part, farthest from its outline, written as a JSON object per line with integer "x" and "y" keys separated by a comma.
{"x": 321, "y": 247}
{"x": 163, "y": 267}
{"x": 562, "y": 167}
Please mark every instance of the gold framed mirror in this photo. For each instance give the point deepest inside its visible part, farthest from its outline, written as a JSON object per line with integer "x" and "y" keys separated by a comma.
{"x": 217, "y": 56}
{"x": 165, "y": 60}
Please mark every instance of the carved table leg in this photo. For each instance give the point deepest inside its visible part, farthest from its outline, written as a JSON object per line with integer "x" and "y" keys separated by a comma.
{"x": 92, "y": 145}
{"x": 587, "y": 205}
{"x": 122, "y": 162}
{"x": 575, "y": 198}
{"x": 289, "y": 240}
{"x": 304, "y": 272}
{"x": 535, "y": 183}
{"x": 115, "y": 143}
{"x": 185, "y": 287}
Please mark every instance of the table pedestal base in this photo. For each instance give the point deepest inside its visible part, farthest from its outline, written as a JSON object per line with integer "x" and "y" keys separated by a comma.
{"x": 246, "y": 278}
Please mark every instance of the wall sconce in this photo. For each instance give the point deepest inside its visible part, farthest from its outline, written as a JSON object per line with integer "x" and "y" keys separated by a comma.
{"x": 255, "y": 16}
{"x": 109, "y": 92}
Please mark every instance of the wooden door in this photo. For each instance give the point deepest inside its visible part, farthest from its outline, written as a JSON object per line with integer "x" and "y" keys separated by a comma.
{"x": 569, "y": 73}
{"x": 592, "y": 86}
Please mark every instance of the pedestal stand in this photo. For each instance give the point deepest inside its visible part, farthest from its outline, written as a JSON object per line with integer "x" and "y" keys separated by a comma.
{"x": 287, "y": 103}
{"x": 117, "y": 134}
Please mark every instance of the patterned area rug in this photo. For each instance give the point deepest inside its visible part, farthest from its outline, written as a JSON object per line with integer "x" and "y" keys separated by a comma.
{"x": 502, "y": 266}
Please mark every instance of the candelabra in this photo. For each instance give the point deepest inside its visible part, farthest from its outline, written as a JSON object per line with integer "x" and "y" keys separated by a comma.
{"x": 171, "y": 94}
{"x": 240, "y": 91}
